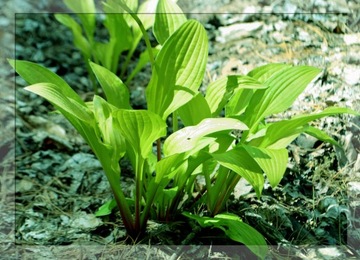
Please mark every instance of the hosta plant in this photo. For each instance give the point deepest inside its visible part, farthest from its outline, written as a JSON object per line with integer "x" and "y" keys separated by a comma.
{"x": 124, "y": 33}
{"x": 220, "y": 136}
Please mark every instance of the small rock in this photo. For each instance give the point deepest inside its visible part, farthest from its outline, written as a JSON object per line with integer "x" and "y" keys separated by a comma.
{"x": 4, "y": 22}
{"x": 86, "y": 221}
{"x": 351, "y": 39}
{"x": 351, "y": 75}
{"x": 354, "y": 188}
{"x": 237, "y": 31}
{"x": 280, "y": 26}
{"x": 330, "y": 253}
{"x": 56, "y": 130}
{"x": 306, "y": 141}
{"x": 357, "y": 164}
{"x": 242, "y": 187}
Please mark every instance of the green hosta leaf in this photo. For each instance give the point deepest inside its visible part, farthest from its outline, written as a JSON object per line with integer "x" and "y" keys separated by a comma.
{"x": 55, "y": 95}
{"x": 109, "y": 128}
{"x": 284, "y": 87}
{"x": 85, "y": 10}
{"x": 146, "y": 13}
{"x": 238, "y": 102}
{"x": 236, "y": 230}
{"x": 84, "y": 6}
{"x": 188, "y": 137}
{"x": 122, "y": 7}
{"x": 140, "y": 128}
{"x": 219, "y": 92}
{"x": 80, "y": 41}
{"x": 115, "y": 90}
{"x": 195, "y": 110}
{"x": 277, "y": 132}
{"x": 265, "y": 72}
{"x": 169, "y": 17}
{"x": 179, "y": 69}
{"x": 272, "y": 162}
{"x": 33, "y": 73}
{"x": 239, "y": 161}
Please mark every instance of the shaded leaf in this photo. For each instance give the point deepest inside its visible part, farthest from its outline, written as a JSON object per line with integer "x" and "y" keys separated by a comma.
{"x": 272, "y": 162}
{"x": 236, "y": 230}
{"x": 239, "y": 161}
{"x": 140, "y": 128}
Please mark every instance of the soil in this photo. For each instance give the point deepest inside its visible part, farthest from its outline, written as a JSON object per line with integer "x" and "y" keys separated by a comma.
{"x": 54, "y": 184}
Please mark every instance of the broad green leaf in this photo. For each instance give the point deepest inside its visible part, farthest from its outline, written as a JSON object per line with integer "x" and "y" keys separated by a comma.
{"x": 188, "y": 137}
{"x": 33, "y": 73}
{"x": 219, "y": 92}
{"x": 278, "y": 131}
{"x": 80, "y": 41}
{"x": 236, "y": 230}
{"x": 84, "y": 6}
{"x": 169, "y": 17}
{"x": 239, "y": 161}
{"x": 194, "y": 111}
{"x": 56, "y": 96}
{"x": 262, "y": 73}
{"x": 284, "y": 87}
{"x": 109, "y": 128}
{"x": 179, "y": 69}
{"x": 146, "y": 13}
{"x": 238, "y": 102}
{"x": 272, "y": 162}
{"x": 115, "y": 90}
{"x": 140, "y": 128}
{"x": 85, "y": 10}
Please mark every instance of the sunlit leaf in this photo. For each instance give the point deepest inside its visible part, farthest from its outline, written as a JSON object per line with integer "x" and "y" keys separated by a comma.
{"x": 284, "y": 87}
{"x": 115, "y": 90}
{"x": 109, "y": 127}
{"x": 194, "y": 111}
{"x": 33, "y": 73}
{"x": 140, "y": 128}
{"x": 276, "y": 132}
{"x": 85, "y": 10}
{"x": 219, "y": 92}
{"x": 179, "y": 69}
{"x": 55, "y": 95}
{"x": 169, "y": 17}
{"x": 190, "y": 136}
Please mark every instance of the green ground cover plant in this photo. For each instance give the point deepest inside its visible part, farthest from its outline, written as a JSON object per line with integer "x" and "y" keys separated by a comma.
{"x": 184, "y": 135}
